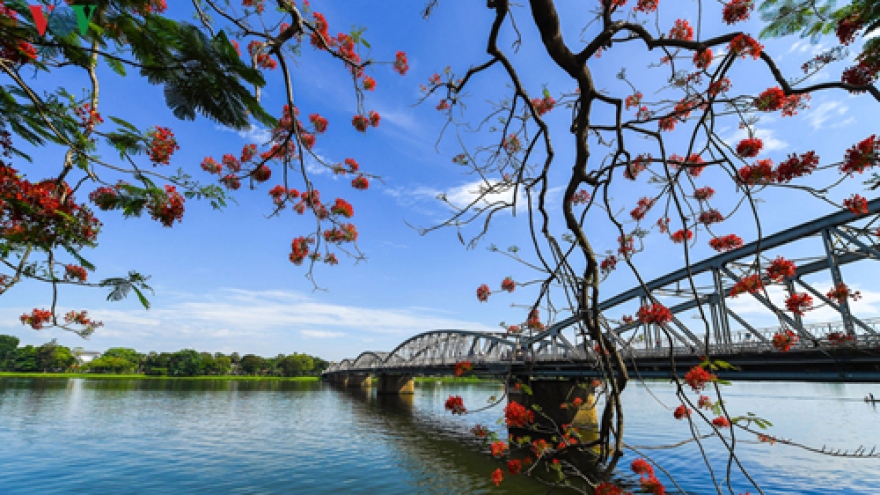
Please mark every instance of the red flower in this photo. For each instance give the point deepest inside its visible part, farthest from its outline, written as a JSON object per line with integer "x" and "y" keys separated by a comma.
{"x": 543, "y": 105}
{"x": 862, "y": 156}
{"x": 797, "y": 166}
{"x": 360, "y": 123}
{"x": 497, "y": 477}
{"x": 369, "y": 83}
{"x": 652, "y": 485}
{"x": 498, "y": 448}
{"x": 681, "y": 31}
{"x": 633, "y": 100}
{"x": 641, "y": 466}
{"x": 168, "y": 208}
{"x": 161, "y": 145}
{"x": 703, "y": 193}
{"x": 750, "y": 284}
{"x": 483, "y": 293}
{"x": 710, "y": 216}
{"x": 842, "y": 292}
{"x": 775, "y": 99}
{"x": 374, "y": 118}
{"x": 644, "y": 205}
{"x": 480, "y": 431}
{"x": 737, "y": 10}
{"x": 721, "y": 422}
{"x": 608, "y": 264}
{"x": 704, "y": 402}
{"x": 580, "y": 198}
{"x": 299, "y": 249}
{"x": 783, "y": 340}
{"x": 781, "y": 268}
{"x": 455, "y": 405}
{"x": 400, "y": 63}
{"x": 856, "y": 204}
{"x": 517, "y": 416}
{"x": 607, "y": 488}
{"x": 342, "y": 207}
{"x": 703, "y": 59}
{"x": 646, "y": 6}
{"x": 534, "y": 320}
{"x": 759, "y": 173}
{"x": 37, "y": 318}
{"x": 749, "y": 148}
{"x": 799, "y": 303}
{"x": 462, "y": 367}
{"x": 698, "y": 377}
{"x": 744, "y": 45}
{"x": 360, "y": 182}
{"x": 847, "y": 28}
{"x": 75, "y": 272}
{"x": 681, "y": 235}
{"x": 656, "y": 313}
{"x": 261, "y": 173}
{"x": 511, "y": 144}
{"x": 681, "y": 412}
{"x": 514, "y": 466}
{"x": 508, "y": 284}
{"x": 319, "y": 122}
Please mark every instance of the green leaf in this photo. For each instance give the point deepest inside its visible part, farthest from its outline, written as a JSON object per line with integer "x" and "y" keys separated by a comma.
{"x": 144, "y": 302}
{"x": 79, "y": 259}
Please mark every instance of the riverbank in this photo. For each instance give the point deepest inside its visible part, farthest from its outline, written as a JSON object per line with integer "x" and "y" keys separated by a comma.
{"x": 102, "y": 376}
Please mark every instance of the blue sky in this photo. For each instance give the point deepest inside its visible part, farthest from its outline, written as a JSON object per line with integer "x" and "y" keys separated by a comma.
{"x": 223, "y": 280}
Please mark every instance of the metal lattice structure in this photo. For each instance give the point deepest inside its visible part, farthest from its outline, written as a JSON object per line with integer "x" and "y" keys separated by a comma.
{"x": 843, "y": 237}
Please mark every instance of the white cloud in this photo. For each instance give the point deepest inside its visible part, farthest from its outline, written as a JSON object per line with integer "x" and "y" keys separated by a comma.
{"x": 257, "y": 134}
{"x": 767, "y": 136}
{"x": 817, "y": 117}
{"x": 321, "y": 334}
{"x": 260, "y": 322}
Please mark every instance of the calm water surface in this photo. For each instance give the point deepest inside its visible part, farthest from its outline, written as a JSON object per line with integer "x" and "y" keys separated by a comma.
{"x": 168, "y": 436}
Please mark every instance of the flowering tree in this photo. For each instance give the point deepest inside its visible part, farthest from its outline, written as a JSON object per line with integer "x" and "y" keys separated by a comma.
{"x": 622, "y": 139}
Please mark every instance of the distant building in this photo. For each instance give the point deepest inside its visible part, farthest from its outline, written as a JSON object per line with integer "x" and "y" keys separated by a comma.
{"x": 86, "y": 356}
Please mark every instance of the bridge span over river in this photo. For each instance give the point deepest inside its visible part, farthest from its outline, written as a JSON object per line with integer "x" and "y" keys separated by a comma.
{"x": 844, "y": 347}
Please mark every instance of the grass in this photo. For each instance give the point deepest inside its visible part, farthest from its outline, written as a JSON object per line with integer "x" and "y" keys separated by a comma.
{"x": 12, "y": 374}
{"x": 452, "y": 379}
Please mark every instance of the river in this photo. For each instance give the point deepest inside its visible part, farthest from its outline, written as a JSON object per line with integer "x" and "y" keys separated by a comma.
{"x": 179, "y": 436}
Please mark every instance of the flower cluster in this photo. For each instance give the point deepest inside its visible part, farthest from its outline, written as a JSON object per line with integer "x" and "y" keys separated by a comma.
{"x": 697, "y": 378}
{"x": 261, "y": 59}
{"x": 483, "y": 293}
{"x": 517, "y": 416}
{"x": 710, "y": 216}
{"x": 299, "y": 249}
{"x": 749, "y": 148}
{"x": 633, "y": 100}
{"x": 581, "y": 197}
{"x": 799, "y": 303}
{"x": 400, "y": 63}
{"x": 783, "y": 340}
{"x": 167, "y": 207}
{"x": 543, "y": 105}
{"x": 82, "y": 318}
{"x": 363, "y": 122}
{"x": 462, "y": 367}
{"x": 704, "y": 193}
{"x": 637, "y": 166}
{"x": 361, "y": 183}
{"x": 721, "y": 422}
{"x": 837, "y": 338}
{"x": 780, "y": 269}
{"x": 342, "y": 208}
{"x": 681, "y": 412}
{"x": 856, "y": 204}
{"x": 508, "y": 284}
{"x": 682, "y": 235}
{"x": 842, "y": 292}
{"x": 655, "y": 313}
{"x": 750, "y": 284}
{"x": 534, "y": 320}
{"x": 498, "y": 448}
{"x": 744, "y": 45}
{"x": 37, "y": 318}
{"x": 646, "y": 6}
{"x": 737, "y": 10}
{"x": 703, "y": 58}
{"x": 642, "y": 208}
{"x": 89, "y": 117}
{"x": 75, "y": 273}
{"x": 862, "y": 156}
{"x": 608, "y": 264}
{"x": 796, "y": 166}
{"x": 648, "y": 482}
{"x": 455, "y": 405}
{"x": 726, "y": 243}
{"x": 161, "y": 145}
{"x": 774, "y": 98}
{"x": 682, "y": 30}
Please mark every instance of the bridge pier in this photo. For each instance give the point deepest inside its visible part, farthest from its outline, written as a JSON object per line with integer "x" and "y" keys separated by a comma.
{"x": 358, "y": 381}
{"x": 395, "y": 384}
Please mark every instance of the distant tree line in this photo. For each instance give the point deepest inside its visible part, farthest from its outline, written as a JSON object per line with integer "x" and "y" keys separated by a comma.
{"x": 52, "y": 357}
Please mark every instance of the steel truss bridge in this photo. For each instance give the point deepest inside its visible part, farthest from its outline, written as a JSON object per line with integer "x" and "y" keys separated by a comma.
{"x": 819, "y": 247}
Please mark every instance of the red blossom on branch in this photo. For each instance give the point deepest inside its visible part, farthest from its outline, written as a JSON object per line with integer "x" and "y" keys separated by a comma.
{"x": 856, "y": 204}
{"x": 864, "y": 155}
{"x": 796, "y": 166}
{"x": 749, "y": 148}
{"x": 508, "y": 285}
{"x": 750, "y": 284}
{"x": 455, "y": 405}
{"x": 682, "y": 235}
{"x": 517, "y": 416}
{"x": 726, "y": 243}
{"x": 75, "y": 273}
{"x": 497, "y": 477}
{"x": 704, "y": 193}
{"x": 682, "y": 30}
{"x": 782, "y": 341}
{"x": 655, "y": 313}
{"x": 697, "y": 378}
{"x": 737, "y": 10}
{"x": 681, "y": 412}
{"x": 483, "y": 293}
{"x": 744, "y": 45}
{"x": 703, "y": 58}
{"x": 721, "y": 422}
{"x": 37, "y": 318}
{"x": 780, "y": 269}
{"x": 799, "y": 303}
{"x": 161, "y": 145}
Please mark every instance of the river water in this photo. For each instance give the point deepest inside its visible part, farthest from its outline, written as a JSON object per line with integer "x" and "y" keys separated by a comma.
{"x": 174, "y": 436}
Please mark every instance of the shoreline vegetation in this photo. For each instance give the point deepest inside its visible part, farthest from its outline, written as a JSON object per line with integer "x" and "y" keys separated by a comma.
{"x": 139, "y": 376}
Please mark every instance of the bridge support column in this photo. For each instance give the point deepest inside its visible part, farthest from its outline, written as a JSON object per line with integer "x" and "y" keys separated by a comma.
{"x": 395, "y": 384}
{"x": 358, "y": 381}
